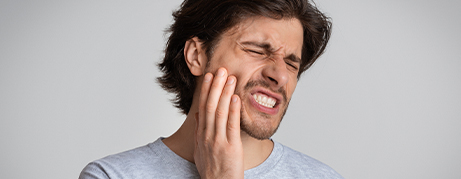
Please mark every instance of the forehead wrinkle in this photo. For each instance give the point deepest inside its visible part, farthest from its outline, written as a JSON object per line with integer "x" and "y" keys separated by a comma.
{"x": 246, "y": 34}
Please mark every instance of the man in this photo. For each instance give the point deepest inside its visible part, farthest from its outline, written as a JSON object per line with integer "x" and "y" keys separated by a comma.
{"x": 233, "y": 66}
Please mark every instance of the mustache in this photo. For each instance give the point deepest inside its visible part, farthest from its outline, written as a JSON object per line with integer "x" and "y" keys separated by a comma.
{"x": 266, "y": 85}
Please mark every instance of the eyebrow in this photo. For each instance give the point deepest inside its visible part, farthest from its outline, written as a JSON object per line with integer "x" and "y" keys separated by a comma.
{"x": 263, "y": 45}
{"x": 267, "y": 46}
{"x": 294, "y": 58}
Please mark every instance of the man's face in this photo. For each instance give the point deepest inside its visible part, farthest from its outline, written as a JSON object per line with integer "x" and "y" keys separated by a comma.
{"x": 264, "y": 54}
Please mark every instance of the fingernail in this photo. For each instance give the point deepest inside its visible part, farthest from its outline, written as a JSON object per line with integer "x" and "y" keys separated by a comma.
{"x": 220, "y": 72}
{"x": 207, "y": 77}
{"x": 234, "y": 99}
{"x": 230, "y": 81}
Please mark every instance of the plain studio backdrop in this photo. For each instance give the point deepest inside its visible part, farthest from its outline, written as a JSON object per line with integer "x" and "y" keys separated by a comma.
{"x": 78, "y": 83}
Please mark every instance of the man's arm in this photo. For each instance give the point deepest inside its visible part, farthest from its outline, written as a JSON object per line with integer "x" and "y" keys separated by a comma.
{"x": 218, "y": 146}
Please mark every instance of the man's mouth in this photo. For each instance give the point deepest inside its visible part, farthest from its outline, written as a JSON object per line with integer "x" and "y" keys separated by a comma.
{"x": 264, "y": 100}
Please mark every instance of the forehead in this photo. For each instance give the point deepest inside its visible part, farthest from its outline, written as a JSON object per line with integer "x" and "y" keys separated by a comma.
{"x": 284, "y": 33}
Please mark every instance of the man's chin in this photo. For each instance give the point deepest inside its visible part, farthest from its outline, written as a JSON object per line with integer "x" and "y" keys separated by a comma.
{"x": 257, "y": 130}
{"x": 259, "y": 136}
{"x": 259, "y": 125}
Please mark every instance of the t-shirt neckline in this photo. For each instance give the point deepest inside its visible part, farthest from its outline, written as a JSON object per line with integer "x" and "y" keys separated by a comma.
{"x": 168, "y": 156}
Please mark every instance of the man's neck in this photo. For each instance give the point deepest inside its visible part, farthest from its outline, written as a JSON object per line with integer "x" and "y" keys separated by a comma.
{"x": 182, "y": 142}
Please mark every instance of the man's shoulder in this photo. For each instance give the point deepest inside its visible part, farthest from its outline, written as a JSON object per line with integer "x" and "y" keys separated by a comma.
{"x": 120, "y": 164}
{"x": 154, "y": 160}
{"x": 295, "y": 162}
{"x": 136, "y": 155}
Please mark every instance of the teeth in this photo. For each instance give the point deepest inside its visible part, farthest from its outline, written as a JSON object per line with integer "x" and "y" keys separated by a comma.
{"x": 264, "y": 100}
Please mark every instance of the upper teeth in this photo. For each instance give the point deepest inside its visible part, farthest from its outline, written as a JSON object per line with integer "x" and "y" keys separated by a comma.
{"x": 264, "y": 100}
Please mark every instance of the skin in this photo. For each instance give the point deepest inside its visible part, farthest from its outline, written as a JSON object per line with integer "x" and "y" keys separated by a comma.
{"x": 258, "y": 56}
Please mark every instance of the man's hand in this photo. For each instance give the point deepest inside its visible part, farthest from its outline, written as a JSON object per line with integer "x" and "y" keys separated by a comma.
{"x": 218, "y": 147}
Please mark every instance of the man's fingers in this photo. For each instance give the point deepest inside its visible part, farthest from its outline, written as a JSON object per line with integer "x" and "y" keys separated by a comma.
{"x": 218, "y": 147}
{"x": 222, "y": 111}
{"x": 233, "y": 124}
{"x": 213, "y": 99}
{"x": 206, "y": 85}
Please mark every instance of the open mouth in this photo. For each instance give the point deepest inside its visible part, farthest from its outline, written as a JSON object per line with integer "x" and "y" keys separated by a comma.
{"x": 265, "y": 100}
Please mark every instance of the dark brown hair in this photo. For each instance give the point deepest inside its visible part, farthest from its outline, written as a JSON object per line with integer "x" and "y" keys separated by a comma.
{"x": 209, "y": 19}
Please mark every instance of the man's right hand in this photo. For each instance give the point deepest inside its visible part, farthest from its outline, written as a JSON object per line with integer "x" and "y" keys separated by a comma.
{"x": 218, "y": 146}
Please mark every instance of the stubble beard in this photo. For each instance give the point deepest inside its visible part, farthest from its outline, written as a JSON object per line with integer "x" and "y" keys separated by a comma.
{"x": 255, "y": 128}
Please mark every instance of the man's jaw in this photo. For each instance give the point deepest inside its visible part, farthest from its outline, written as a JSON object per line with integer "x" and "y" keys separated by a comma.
{"x": 260, "y": 118}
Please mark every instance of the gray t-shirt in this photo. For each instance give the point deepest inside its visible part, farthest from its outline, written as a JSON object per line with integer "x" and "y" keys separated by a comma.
{"x": 156, "y": 160}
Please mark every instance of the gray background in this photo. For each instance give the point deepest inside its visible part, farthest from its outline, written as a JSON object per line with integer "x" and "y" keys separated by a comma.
{"x": 78, "y": 83}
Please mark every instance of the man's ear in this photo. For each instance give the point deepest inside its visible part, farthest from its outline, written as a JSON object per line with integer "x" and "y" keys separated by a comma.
{"x": 195, "y": 56}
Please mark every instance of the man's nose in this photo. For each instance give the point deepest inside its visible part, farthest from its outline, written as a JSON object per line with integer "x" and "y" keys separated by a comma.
{"x": 276, "y": 72}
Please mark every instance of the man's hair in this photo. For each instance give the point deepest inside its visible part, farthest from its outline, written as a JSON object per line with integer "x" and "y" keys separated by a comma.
{"x": 209, "y": 19}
